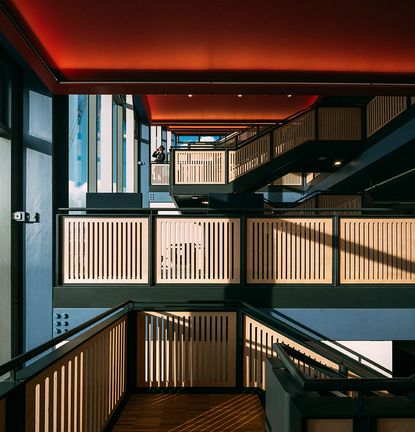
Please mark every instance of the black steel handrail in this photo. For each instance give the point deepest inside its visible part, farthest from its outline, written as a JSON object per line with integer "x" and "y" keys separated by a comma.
{"x": 322, "y": 337}
{"x": 342, "y": 384}
{"x": 17, "y": 362}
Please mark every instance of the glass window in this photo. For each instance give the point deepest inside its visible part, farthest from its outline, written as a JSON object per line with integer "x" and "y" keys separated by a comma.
{"x": 78, "y": 149}
{"x": 40, "y": 113}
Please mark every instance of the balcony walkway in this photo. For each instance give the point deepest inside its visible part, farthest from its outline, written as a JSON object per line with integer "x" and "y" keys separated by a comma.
{"x": 177, "y": 412}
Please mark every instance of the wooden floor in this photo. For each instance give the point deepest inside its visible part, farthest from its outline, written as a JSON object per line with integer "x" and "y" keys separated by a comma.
{"x": 176, "y": 412}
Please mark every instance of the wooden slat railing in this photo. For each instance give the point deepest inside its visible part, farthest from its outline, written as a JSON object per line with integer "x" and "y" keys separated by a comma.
{"x": 339, "y": 124}
{"x": 104, "y": 250}
{"x": 377, "y": 250}
{"x": 159, "y": 174}
{"x": 381, "y": 110}
{"x": 328, "y": 425}
{"x": 193, "y": 250}
{"x": 289, "y": 250}
{"x": 80, "y": 391}
{"x": 296, "y": 132}
{"x": 291, "y": 179}
{"x": 395, "y": 424}
{"x": 249, "y": 157}
{"x": 258, "y": 345}
{"x": 199, "y": 167}
{"x": 186, "y": 349}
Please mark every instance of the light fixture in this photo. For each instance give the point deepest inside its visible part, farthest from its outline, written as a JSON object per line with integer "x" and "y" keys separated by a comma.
{"x": 239, "y": 96}
{"x": 194, "y": 197}
{"x": 205, "y": 202}
{"x": 337, "y": 163}
{"x": 189, "y": 95}
{"x": 289, "y": 95}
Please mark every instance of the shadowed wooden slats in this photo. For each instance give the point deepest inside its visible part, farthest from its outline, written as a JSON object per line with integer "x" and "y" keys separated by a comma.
{"x": 249, "y": 157}
{"x": 381, "y": 110}
{"x": 258, "y": 341}
{"x": 80, "y": 391}
{"x": 329, "y": 425}
{"x": 289, "y": 250}
{"x": 396, "y": 425}
{"x": 198, "y": 250}
{"x": 159, "y": 174}
{"x": 176, "y": 412}
{"x": 199, "y": 167}
{"x": 339, "y": 124}
{"x": 294, "y": 133}
{"x": 2, "y": 415}
{"x": 102, "y": 250}
{"x": 183, "y": 349}
{"x": 377, "y": 250}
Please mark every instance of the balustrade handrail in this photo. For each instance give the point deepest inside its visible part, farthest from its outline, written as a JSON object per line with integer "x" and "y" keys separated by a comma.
{"x": 16, "y": 362}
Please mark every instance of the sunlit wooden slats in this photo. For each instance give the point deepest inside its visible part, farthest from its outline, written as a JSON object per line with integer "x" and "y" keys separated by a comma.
{"x": 302, "y": 249}
{"x": 339, "y": 124}
{"x": 382, "y": 109}
{"x": 105, "y": 250}
{"x": 183, "y": 349}
{"x": 159, "y": 174}
{"x": 199, "y": 167}
{"x": 294, "y": 133}
{"x": 377, "y": 250}
{"x": 197, "y": 250}
{"x": 72, "y": 395}
{"x": 258, "y": 341}
{"x": 249, "y": 157}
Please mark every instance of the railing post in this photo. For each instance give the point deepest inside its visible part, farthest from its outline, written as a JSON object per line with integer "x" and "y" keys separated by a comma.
{"x": 16, "y": 409}
{"x": 243, "y": 250}
{"x": 226, "y": 166}
{"x": 151, "y": 249}
{"x": 171, "y": 170}
{"x": 131, "y": 346}
{"x": 239, "y": 348}
{"x": 336, "y": 251}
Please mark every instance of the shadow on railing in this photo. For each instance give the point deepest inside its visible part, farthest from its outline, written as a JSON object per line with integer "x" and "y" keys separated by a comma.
{"x": 83, "y": 383}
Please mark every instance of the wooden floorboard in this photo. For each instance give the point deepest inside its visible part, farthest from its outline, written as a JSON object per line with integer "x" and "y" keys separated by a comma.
{"x": 175, "y": 412}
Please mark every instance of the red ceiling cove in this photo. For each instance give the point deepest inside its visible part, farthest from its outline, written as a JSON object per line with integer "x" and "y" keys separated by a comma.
{"x": 181, "y": 109}
{"x": 319, "y": 41}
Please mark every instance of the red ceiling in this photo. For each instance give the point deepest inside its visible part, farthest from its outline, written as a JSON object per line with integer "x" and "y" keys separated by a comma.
{"x": 166, "y": 42}
{"x": 181, "y": 109}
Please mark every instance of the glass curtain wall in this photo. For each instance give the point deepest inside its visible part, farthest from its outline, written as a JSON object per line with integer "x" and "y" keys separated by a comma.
{"x": 102, "y": 146}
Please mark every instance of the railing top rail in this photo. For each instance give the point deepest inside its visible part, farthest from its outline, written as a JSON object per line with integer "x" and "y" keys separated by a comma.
{"x": 342, "y": 384}
{"x": 282, "y": 210}
{"x": 18, "y": 361}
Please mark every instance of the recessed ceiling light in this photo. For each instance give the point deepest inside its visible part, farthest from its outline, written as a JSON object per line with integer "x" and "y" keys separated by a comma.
{"x": 239, "y": 96}
{"x": 289, "y": 95}
{"x": 205, "y": 202}
{"x": 189, "y": 95}
{"x": 194, "y": 197}
{"x": 337, "y": 163}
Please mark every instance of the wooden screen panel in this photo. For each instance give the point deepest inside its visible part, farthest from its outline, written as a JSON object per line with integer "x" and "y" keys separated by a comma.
{"x": 186, "y": 349}
{"x": 190, "y": 250}
{"x": 249, "y": 157}
{"x": 81, "y": 391}
{"x": 381, "y": 110}
{"x": 159, "y": 174}
{"x": 291, "y": 179}
{"x": 340, "y": 201}
{"x": 339, "y": 124}
{"x": 377, "y": 250}
{"x": 199, "y": 167}
{"x": 396, "y": 425}
{"x": 105, "y": 250}
{"x": 329, "y": 425}
{"x": 289, "y": 250}
{"x": 258, "y": 341}
{"x": 294, "y": 133}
